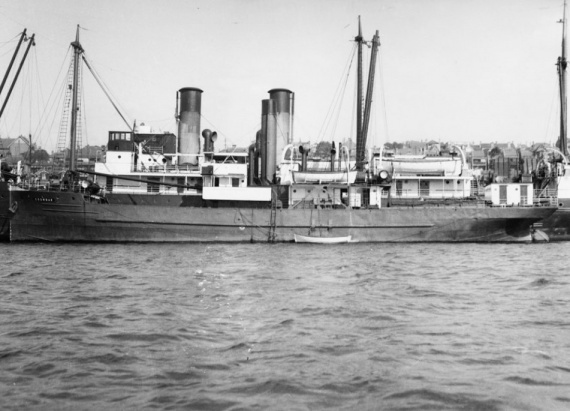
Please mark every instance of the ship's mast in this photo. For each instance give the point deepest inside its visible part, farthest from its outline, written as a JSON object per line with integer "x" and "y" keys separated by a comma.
{"x": 359, "y": 148}
{"x": 22, "y": 36}
{"x": 30, "y": 44}
{"x": 561, "y": 64}
{"x": 363, "y": 121}
{"x": 369, "y": 90}
{"x": 77, "y": 51}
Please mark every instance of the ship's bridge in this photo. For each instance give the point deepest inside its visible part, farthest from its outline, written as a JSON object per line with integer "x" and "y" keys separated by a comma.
{"x": 162, "y": 143}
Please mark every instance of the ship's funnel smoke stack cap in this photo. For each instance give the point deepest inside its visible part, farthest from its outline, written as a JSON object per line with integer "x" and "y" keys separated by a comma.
{"x": 190, "y": 99}
{"x": 282, "y": 98}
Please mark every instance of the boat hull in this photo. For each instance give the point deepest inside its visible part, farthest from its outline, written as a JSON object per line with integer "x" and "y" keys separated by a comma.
{"x": 426, "y": 165}
{"x": 324, "y": 177}
{"x": 64, "y": 216}
{"x": 321, "y": 240}
{"x": 5, "y": 212}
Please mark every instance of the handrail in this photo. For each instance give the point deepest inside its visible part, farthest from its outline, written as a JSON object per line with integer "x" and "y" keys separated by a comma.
{"x": 545, "y": 192}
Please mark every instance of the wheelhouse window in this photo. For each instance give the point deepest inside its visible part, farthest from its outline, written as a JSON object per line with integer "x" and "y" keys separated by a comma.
{"x": 230, "y": 158}
{"x": 120, "y": 135}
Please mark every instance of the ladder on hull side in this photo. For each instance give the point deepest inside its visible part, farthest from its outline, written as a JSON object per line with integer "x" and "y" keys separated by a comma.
{"x": 272, "y": 218}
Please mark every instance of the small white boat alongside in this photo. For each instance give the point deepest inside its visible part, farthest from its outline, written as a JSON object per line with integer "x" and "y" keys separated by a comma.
{"x": 322, "y": 240}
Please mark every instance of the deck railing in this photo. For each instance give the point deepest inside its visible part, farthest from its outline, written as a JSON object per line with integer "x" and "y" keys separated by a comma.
{"x": 175, "y": 169}
{"x": 545, "y": 193}
{"x": 429, "y": 193}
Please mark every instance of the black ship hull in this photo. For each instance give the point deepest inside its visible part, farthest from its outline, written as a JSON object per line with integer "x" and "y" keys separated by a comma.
{"x": 69, "y": 216}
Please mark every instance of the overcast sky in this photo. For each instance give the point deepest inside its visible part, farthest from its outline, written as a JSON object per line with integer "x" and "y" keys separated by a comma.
{"x": 450, "y": 70}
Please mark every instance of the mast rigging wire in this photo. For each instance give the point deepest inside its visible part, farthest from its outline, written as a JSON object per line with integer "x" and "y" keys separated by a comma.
{"x": 42, "y": 122}
{"x": 548, "y": 131}
{"x": 99, "y": 81}
{"x": 19, "y": 90}
{"x": 40, "y": 101}
{"x": 334, "y": 108}
{"x": 382, "y": 95}
{"x": 84, "y": 117}
{"x": 6, "y": 43}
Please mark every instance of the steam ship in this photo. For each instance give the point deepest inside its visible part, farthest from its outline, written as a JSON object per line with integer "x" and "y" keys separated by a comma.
{"x": 172, "y": 188}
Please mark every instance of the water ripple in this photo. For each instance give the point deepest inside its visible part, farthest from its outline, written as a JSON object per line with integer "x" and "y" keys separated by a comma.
{"x": 285, "y": 327}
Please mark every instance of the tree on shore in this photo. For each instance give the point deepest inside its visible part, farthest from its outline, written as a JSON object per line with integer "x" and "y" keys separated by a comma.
{"x": 323, "y": 150}
{"x": 495, "y": 152}
{"x": 40, "y": 156}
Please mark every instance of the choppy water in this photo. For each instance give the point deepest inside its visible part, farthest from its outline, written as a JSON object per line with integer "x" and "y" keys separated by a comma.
{"x": 255, "y": 327}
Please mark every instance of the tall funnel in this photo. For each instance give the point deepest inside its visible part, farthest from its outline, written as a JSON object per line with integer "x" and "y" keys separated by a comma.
{"x": 283, "y": 99}
{"x": 189, "y": 125}
{"x": 268, "y": 140}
